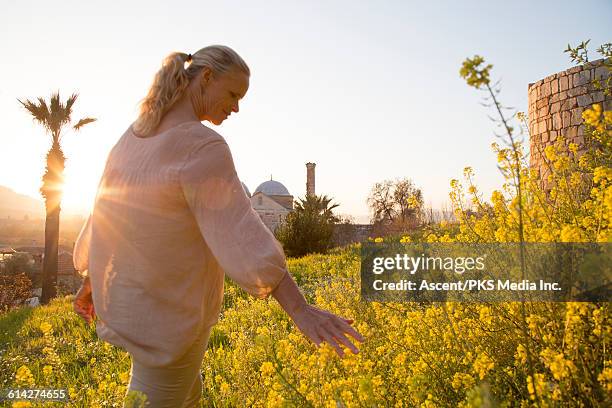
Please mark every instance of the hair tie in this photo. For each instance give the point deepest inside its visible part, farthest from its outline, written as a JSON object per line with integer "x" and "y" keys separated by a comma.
{"x": 189, "y": 57}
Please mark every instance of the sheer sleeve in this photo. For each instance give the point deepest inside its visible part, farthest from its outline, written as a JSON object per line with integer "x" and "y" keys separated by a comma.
{"x": 243, "y": 246}
{"x": 80, "y": 257}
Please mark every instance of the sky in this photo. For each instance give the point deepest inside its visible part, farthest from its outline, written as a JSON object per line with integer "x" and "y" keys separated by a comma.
{"x": 367, "y": 90}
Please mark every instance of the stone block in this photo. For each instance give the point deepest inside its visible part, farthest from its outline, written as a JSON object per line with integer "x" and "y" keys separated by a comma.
{"x": 554, "y": 98}
{"x": 584, "y": 100}
{"x": 544, "y": 137}
{"x": 571, "y": 132}
{"x": 554, "y": 86}
{"x": 543, "y": 111}
{"x": 576, "y": 116}
{"x": 563, "y": 83}
{"x": 581, "y": 130}
{"x": 566, "y": 119}
{"x": 541, "y": 103}
{"x": 607, "y": 104}
{"x": 542, "y": 126}
{"x": 546, "y": 89}
{"x": 556, "y": 121}
{"x": 582, "y": 78}
{"x": 569, "y": 104}
{"x": 597, "y": 97}
{"x": 555, "y": 107}
{"x": 601, "y": 73}
{"x": 552, "y": 135}
{"x": 575, "y": 69}
{"x": 577, "y": 90}
{"x": 579, "y": 140}
{"x": 562, "y": 95}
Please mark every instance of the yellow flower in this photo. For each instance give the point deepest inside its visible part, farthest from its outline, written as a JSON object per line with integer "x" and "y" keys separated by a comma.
{"x": 266, "y": 368}
{"x": 378, "y": 239}
{"x": 124, "y": 377}
{"x": 21, "y": 404}
{"x": 605, "y": 378}
{"x": 92, "y": 361}
{"x": 521, "y": 354}
{"x": 483, "y": 364}
{"x": 224, "y": 388}
{"x": 573, "y": 147}
{"x": 540, "y": 385}
{"x": 46, "y": 328}
{"x": 24, "y": 376}
{"x": 47, "y": 370}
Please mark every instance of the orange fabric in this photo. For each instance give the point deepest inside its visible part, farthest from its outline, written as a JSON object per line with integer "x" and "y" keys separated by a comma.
{"x": 169, "y": 220}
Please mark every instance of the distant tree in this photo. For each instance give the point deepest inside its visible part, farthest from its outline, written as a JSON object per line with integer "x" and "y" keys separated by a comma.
{"x": 53, "y": 117}
{"x": 18, "y": 263}
{"x": 309, "y": 227}
{"x": 14, "y": 289}
{"x": 395, "y": 204}
{"x": 408, "y": 199}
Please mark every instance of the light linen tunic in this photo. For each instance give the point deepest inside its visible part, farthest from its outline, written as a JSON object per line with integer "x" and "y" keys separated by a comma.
{"x": 169, "y": 220}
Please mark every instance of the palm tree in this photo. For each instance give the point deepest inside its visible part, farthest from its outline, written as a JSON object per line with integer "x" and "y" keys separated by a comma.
{"x": 319, "y": 205}
{"x": 309, "y": 227}
{"x": 53, "y": 117}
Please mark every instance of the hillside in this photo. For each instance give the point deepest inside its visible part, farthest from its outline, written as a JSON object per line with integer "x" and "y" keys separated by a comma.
{"x": 17, "y": 206}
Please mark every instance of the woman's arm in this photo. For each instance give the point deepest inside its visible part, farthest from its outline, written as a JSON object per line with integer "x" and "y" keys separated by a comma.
{"x": 316, "y": 324}
{"x": 244, "y": 247}
{"x": 80, "y": 257}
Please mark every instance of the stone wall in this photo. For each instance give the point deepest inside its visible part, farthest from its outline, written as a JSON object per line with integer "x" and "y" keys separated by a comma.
{"x": 556, "y": 104}
{"x": 345, "y": 234}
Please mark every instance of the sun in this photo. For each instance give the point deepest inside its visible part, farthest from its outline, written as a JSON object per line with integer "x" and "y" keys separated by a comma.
{"x": 79, "y": 191}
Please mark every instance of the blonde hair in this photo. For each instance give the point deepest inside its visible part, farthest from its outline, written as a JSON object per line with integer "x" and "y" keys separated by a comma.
{"x": 172, "y": 79}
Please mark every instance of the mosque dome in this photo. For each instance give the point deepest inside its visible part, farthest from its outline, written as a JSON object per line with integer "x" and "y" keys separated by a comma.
{"x": 246, "y": 189}
{"x": 272, "y": 188}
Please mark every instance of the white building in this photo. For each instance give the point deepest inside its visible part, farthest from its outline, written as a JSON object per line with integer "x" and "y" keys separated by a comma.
{"x": 272, "y": 201}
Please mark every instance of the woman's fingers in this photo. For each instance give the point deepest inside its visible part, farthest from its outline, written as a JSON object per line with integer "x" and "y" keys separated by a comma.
{"x": 346, "y": 328}
{"x": 83, "y": 306}
{"x": 83, "y": 314}
{"x": 331, "y": 341}
{"x": 339, "y": 336}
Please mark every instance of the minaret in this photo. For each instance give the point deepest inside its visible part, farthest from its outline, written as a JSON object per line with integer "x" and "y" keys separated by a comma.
{"x": 310, "y": 179}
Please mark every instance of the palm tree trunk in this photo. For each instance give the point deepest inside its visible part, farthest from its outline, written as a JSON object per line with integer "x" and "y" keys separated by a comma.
{"x": 52, "y": 192}
{"x": 49, "y": 275}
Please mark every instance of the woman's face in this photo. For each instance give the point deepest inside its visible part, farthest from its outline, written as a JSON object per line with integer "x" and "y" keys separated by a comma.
{"x": 219, "y": 94}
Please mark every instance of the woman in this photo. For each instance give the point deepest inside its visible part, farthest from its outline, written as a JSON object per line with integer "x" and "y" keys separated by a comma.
{"x": 170, "y": 220}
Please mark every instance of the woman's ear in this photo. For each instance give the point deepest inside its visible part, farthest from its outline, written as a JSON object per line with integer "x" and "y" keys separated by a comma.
{"x": 206, "y": 75}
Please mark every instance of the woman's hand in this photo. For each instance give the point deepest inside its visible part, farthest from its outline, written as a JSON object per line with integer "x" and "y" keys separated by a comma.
{"x": 320, "y": 325}
{"x": 83, "y": 302}
{"x": 316, "y": 324}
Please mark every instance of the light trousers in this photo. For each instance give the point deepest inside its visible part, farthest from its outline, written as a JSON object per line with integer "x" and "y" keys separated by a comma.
{"x": 176, "y": 386}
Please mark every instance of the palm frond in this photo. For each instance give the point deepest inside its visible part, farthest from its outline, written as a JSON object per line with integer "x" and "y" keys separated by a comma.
{"x": 83, "y": 122}
{"x": 39, "y": 111}
{"x": 58, "y": 117}
{"x": 71, "y": 100}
